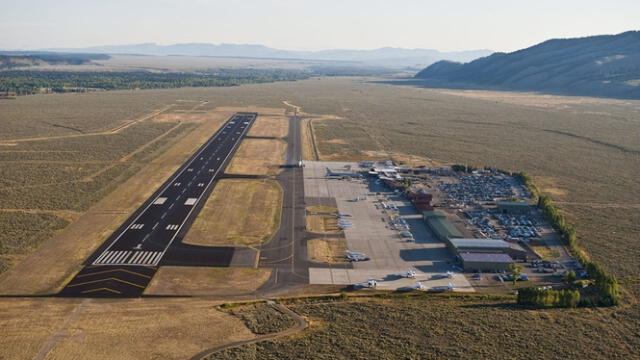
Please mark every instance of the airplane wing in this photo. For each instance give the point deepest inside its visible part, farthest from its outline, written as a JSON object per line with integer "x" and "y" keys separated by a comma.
{"x": 354, "y": 253}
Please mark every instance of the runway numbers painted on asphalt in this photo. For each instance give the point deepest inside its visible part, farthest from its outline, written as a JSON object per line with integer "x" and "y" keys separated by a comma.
{"x": 136, "y": 226}
{"x": 128, "y": 258}
{"x": 191, "y": 201}
{"x": 172, "y": 227}
{"x": 160, "y": 201}
{"x": 200, "y": 184}
{"x": 176, "y": 184}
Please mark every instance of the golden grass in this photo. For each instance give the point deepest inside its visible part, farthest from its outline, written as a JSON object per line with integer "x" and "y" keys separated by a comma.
{"x": 327, "y": 250}
{"x": 321, "y": 209}
{"x": 59, "y": 258}
{"x": 545, "y": 252}
{"x": 322, "y": 224}
{"x": 308, "y": 145}
{"x": 240, "y": 212}
{"x": 258, "y": 157}
{"x": 113, "y": 329}
{"x": 195, "y": 281}
{"x": 270, "y": 126}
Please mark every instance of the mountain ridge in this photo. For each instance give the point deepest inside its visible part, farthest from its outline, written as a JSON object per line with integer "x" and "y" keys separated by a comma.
{"x": 389, "y": 56}
{"x": 601, "y": 65}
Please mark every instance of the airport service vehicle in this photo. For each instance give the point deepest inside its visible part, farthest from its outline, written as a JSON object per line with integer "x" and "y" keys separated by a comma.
{"x": 410, "y": 274}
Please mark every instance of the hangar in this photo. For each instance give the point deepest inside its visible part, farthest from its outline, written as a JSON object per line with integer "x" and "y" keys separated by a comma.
{"x": 492, "y": 262}
{"x": 458, "y": 246}
{"x": 442, "y": 228}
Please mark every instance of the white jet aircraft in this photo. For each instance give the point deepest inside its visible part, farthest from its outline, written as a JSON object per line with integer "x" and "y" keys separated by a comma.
{"x": 356, "y": 256}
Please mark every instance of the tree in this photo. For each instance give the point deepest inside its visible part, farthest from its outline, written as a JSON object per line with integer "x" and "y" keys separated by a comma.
{"x": 515, "y": 270}
{"x": 570, "y": 277}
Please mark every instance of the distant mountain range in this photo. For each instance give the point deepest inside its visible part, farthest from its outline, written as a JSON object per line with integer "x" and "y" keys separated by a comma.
{"x": 387, "y": 56}
{"x": 605, "y": 65}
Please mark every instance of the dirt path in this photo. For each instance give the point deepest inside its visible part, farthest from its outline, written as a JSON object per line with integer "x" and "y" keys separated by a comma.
{"x": 127, "y": 157}
{"x": 301, "y": 324}
{"x": 91, "y": 177}
{"x": 61, "y": 333}
{"x": 68, "y": 215}
{"x": 115, "y": 130}
{"x": 124, "y": 159}
{"x": 296, "y": 108}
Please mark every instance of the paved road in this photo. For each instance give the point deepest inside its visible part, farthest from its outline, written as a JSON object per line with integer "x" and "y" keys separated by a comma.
{"x": 286, "y": 252}
{"x": 152, "y": 235}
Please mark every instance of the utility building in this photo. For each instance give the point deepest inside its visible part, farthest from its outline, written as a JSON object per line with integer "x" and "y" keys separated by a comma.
{"x": 460, "y": 246}
{"x": 514, "y": 207}
{"x": 442, "y": 228}
{"x": 488, "y": 262}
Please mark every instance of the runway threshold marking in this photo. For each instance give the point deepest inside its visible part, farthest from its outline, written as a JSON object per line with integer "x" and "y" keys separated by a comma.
{"x": 107, "y": 279}
{"x": 187, "y": 169}
{"x": 113, "y": 270}
{"x": 102, "y": 289}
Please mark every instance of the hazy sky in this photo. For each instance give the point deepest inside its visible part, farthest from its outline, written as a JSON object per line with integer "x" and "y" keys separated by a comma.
{"x": 499, "y": 25}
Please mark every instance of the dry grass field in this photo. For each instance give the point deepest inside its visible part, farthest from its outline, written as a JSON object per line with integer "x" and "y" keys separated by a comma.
{"x": 48, "y": 328}
{"x": 321, "y": 209}
{"x": 449, "y": 328}
{"x": 270, "y": 126}
{"x": 322, "y": 224}
{"x": 262, "y": 318}
{"x": 43, "y": 271}
{"x": 584, "y": 152}
{"x": 258, "y": 157}
{"x": 239, "y": 212}
{"x": 327, "y": 250}
{"x": 199, "y": 281}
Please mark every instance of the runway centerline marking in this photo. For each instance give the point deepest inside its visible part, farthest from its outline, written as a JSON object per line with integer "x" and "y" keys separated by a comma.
{"x": 128, "y": 251}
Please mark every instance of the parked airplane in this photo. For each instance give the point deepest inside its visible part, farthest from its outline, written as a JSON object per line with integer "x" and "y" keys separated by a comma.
{"x": 356, "y": 256}
{"x": 367, "y": 284}
{"x": 331, "y": 173}
{"x": 417, "y": 286}
{"x": 448, "y": 287}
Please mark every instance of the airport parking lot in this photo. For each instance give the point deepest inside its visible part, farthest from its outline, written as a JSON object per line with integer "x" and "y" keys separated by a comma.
{"x": 370, "y": 232}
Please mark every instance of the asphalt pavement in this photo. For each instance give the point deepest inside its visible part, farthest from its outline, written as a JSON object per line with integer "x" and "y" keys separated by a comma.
{"x": 152, "y": 236}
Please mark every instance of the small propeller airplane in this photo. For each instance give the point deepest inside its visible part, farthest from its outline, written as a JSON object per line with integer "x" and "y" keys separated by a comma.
{"x": 356, "y": 256}
{"x": 418, "y": 286}
{"x": 448, "y": 287}
{"x": 371, "y": 283}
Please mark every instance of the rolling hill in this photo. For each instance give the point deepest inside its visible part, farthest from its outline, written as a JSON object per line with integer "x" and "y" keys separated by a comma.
{"x": 605, "y": 65}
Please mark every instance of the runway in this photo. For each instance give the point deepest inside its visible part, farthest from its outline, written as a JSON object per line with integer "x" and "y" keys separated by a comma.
{"x": 148, "y": 238}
